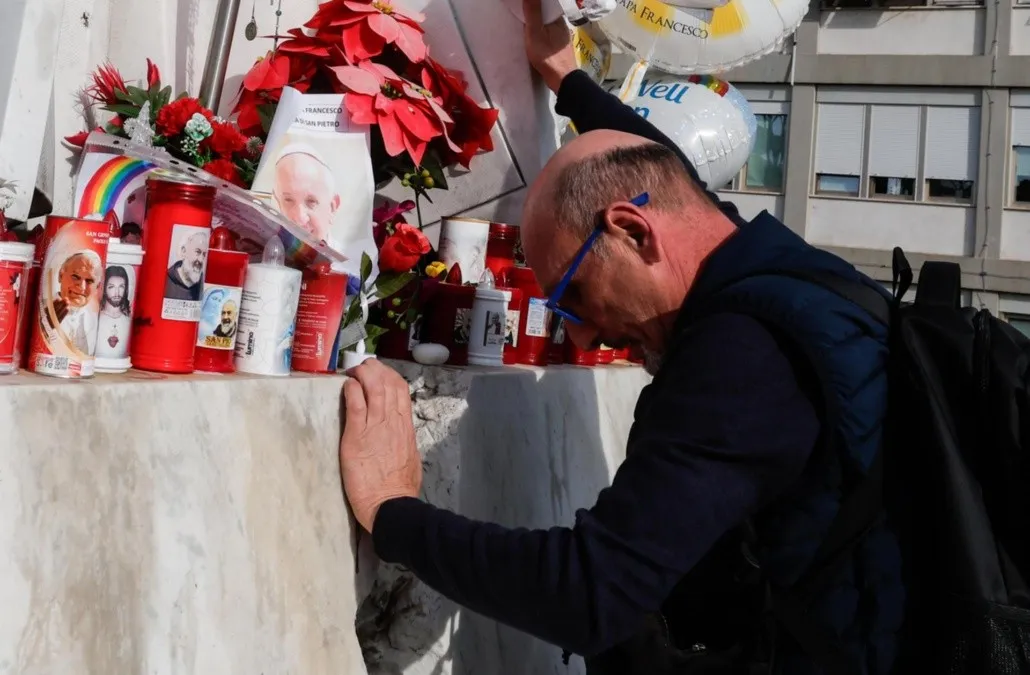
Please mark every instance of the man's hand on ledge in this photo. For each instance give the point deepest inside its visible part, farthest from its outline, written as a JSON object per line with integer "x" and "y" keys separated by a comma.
{"x": 549, "y": 47}
{"x": 379, "y": 459}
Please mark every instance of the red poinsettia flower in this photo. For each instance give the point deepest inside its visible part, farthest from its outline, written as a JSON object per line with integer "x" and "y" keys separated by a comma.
{"x": 153, "y": 75}
{"x": 224, "y": 169}
{"x": 300, "y": 43}
{"x": 407, "y": 119}
{"x": 403, "y": 249}
{"x": 225, "y": 139}
{"x": 366, "y": 27}
{"x": 472, "y": 123}
{"x": 172, "y": 118}
{"x": 106, "y": 82}
{"x": 271, "y": 72}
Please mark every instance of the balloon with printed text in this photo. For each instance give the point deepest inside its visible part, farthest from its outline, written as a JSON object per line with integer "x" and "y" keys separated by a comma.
{"x": 701, "y": 36}
{"x": 708, "y": 118}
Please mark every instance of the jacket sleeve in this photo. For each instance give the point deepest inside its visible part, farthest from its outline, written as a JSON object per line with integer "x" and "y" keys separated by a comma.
{"x": 710, "y": 447}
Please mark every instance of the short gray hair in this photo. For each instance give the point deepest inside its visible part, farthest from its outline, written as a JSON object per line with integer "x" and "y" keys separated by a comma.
{"x": 585, "y": 188}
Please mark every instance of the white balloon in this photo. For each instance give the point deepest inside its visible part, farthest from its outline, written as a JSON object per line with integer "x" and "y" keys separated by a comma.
{"x": 702, "y": 36}
{"x": 709, "y": 119}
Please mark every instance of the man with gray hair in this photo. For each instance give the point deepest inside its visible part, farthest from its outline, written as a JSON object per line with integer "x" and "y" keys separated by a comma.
{"x": 766, "y": 410}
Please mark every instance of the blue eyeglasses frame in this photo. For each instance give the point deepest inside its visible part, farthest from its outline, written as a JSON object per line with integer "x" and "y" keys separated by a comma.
{"x": 640, "y": 200}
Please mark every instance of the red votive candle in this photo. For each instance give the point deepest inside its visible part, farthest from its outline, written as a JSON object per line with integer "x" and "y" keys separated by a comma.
{"x": 500, "y": 248}
{"x": 319, "y": 315}
{"x": 534, "y": 319}
{"x": 511, "y": 326}
{"x": 220, "y": 308}
{"x": 447, "y": 320}
{"x": 176, "y": 232}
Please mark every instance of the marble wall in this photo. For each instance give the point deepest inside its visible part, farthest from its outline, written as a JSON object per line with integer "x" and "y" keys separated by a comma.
{"x": 195, "y": 525}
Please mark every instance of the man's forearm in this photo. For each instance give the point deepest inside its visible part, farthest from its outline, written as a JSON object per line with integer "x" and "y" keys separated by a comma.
{"x": 590, "y": 107}
{"x": 542, "y": 582}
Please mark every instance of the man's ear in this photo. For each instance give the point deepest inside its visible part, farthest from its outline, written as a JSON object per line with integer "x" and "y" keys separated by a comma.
{"x": 334, "y": 204}
{"x": 630, "y": 224}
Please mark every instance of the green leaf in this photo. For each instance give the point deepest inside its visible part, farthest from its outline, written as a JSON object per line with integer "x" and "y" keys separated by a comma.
{"x": 137, "y": 95}
{"x": 353, "y": 312}
{"x": 122, "y": 96}
{"x": 266, "y": 111}
{"x": 373, "y": 333}
{"x": 434, "y": 166}
{"x": 123, "y": 109}
{"x": 388, "y": 284}
{"x": 366, "y": 268}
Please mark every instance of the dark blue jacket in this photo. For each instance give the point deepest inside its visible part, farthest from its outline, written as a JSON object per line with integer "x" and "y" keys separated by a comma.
{"x": 865, "y": 605}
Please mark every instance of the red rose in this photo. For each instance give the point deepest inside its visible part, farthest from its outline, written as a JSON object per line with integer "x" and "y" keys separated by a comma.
{"x": 172, "y": 118}
{"x": 224, "y": 169}
{"x": 225, "y": 140}
{"x": 402, "y": 249}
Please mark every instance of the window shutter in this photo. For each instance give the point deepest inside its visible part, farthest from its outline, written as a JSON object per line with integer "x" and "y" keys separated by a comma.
{"x": 952, "y": 143}
{"x": 894, "y": 141}
{"x": 1021, "y": 126}
{"x": 840, "y": 139}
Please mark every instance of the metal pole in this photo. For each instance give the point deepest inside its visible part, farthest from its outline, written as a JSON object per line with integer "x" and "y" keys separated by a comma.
{"x": 218, "y": 53}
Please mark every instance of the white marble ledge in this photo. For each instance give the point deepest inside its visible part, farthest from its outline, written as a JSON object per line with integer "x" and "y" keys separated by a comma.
{"x": 195, "y": 524}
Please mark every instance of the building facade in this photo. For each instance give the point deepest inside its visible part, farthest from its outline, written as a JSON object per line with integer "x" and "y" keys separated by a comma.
{"x": 901, "y": 123}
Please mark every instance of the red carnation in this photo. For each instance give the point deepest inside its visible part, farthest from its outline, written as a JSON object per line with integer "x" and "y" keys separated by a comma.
{"x": 172, "y": 118}
{"x": 225, "y": 140}
{"x": 224, "y": 169}
{"x": 402, "y": 250}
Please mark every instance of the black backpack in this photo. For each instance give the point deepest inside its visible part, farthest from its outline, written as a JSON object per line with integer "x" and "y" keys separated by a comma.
{"x": 955, "y": 480}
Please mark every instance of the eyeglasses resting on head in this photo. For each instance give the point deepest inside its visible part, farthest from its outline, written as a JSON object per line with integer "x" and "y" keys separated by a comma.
{"x": 559, "y": 290}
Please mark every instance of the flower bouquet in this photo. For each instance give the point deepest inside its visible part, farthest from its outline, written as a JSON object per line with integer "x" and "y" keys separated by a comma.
{"x": 408, "y": 269}
{"x": 183, "y": 127}
{"x": 422, "y": 123}
{"x": 422, "y": 119}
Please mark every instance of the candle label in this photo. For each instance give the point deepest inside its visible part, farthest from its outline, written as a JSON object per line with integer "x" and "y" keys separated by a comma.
{"x": 184, "y": 283}
{"x": 64, "y": 335}
{"x": 538, "y": 318}
{"x": 494, "y": 329}
{"x": 116, "y": 300}
{"x": 461, "y": 326}
{"x": 511, "y": 328}
{"x": 219, "y": 317}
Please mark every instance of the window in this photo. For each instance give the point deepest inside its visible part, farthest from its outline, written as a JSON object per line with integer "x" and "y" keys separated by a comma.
{"x": 1020, "y": 323}
{"x": 840, "y": 147}
{"x": 764, "y": 169}
{"x": 1021, "y": 156}
{"x": 921, "y": 153}
{"x": 893, "y": 151}
{"x": 952, "y": 152}
{"x": 766, "y": 165}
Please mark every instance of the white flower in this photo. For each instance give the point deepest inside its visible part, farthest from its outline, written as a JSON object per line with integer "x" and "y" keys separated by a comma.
{"x": 198, "y": 128}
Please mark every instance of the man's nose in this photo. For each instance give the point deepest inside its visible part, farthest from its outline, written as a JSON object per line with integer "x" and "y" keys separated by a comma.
{"x": 582, "y": 334}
